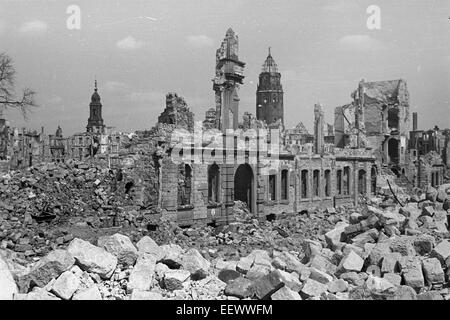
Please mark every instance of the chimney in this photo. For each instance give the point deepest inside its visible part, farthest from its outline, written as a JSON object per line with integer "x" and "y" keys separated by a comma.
{"x": 414, "y": 121}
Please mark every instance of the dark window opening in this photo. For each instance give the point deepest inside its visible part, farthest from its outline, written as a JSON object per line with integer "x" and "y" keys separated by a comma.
{"x": 316, "y": 183}
{"x": 362, "y": 181}
{"x": 304, "y": 183}
{"x": 327, "y": 183}
{"x": 346, "y": 180}
{"x": 184, "y": 184}
{"x": 284, "y": 185}
{"x": 373, "y": 183}
{"x": 393, "y": 118}
{"x": 272, "y": 187}
{"x": 393, "y": 151}
{"x": 339, "y": 181}
{"x": 213, "y": 183}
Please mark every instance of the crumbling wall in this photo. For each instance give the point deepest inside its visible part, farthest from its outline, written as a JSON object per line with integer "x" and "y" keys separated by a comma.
{"x": 177, "y": 113}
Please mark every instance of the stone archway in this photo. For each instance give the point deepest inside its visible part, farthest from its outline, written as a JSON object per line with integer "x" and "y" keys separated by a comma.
{"x": 243, "y": 185}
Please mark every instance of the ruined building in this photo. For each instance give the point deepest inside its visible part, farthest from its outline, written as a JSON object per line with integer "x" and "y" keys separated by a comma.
{"x": 382, "y": 114}
{"x": 177, "y": 112}
{"x": 269, "y": 93}
{"x": 252, "y": 164}
{"x": 428, "y": 154}
{"x": 58, "y": 146}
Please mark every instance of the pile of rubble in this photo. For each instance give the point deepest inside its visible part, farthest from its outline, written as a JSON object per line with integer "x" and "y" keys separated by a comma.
{"x": 380, "y": 251}
{"x": 71, "y": 231}
{"x": 39, "y": 205}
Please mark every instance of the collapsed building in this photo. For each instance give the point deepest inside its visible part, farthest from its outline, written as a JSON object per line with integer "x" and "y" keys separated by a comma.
{"x": 250, "y": 163}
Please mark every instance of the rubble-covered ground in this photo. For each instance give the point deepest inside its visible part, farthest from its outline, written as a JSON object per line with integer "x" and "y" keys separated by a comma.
{"x": 68, "y": 232}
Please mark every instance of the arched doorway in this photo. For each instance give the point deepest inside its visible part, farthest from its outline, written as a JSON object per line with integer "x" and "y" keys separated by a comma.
{"x": 243, "y": 185}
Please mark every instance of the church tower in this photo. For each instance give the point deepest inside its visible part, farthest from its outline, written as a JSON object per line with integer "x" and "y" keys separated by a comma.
{"x": 229, "y": 76}
{"x": 269, "y": 93}
{"x": 95, "y": 121}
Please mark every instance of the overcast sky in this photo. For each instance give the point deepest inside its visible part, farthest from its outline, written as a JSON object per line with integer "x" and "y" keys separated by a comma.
{"x": 323, "y": 48}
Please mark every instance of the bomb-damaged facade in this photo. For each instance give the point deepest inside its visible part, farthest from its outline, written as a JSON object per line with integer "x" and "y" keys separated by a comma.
{"x": 192, "y": 171}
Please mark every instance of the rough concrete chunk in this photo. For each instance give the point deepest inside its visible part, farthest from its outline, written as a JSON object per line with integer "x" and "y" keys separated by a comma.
{"x": 351, "y": 262}
{"x": 405, "y": 293}
{"x": 320, "y": 276}
{"x": 390, "y": 263}
{"x": 424, "y": 244}
{"x": 433, "y": 271}
{"x": 442, "y": 251}
{"x": 257, "y": 271}
{"x": 172, "y": 255}
{"x": 334, "y": 237}
{"x": 313, "y": 288}
{"x": 412, "y": 272}
{"x": 378, "y": 284}
{"x": 121, "y": 247}
{"x": 66, "y": 285}
{"x": 244, "y": 264}
{"x": 51, "y": 266}
{"x": 268, "y": 284}
{"x": 338, "y": 285}
{"x": 173, "y": 279}
{"x": 241, "y": 288}
{"x": 285, "y": 294}
{"x": 91, "y": 293}
{"x": 227, "y": 276}
{"x": 141, "y": 276}
{"x": 92, "y": 258}
{"x": 149, "y": 246}
{"x": 403, "y": 245}
{"x": 194, "y": 262}
{"x": 379, "y": 252}
{"x": 290, "y": 280}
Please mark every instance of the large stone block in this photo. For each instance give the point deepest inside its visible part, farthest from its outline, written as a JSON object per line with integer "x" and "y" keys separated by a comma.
{"x": 194, "y": 262}
{"x": 141, "y": 276}
{"x": 66, "y": 285}
{"x": 433, "y": 271}
{"x": 121, "y": 247}
{"x": 92, "y": 258}
{"x": 8, "y": 287}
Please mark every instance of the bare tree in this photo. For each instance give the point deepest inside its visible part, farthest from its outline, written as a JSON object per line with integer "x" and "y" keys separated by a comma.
{"x": 8, "y": 98}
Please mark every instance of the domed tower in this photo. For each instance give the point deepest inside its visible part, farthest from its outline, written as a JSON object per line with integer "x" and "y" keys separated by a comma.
{"x": 95, "y": 121}
{"x": 269, "y": 93}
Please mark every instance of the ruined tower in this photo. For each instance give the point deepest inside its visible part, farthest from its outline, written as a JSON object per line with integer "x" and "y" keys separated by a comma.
{"x": 95, "y": 121}
{"x": 318, "y": 129}
{"x": 269, "y": 94}
{"x": 229, "y": 75}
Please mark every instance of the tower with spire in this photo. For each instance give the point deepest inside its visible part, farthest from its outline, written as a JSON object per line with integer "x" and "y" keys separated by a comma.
{"x": 269, "y": 93}
{"x": 95, "y": 121}
{"x": 229, "y": 76}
